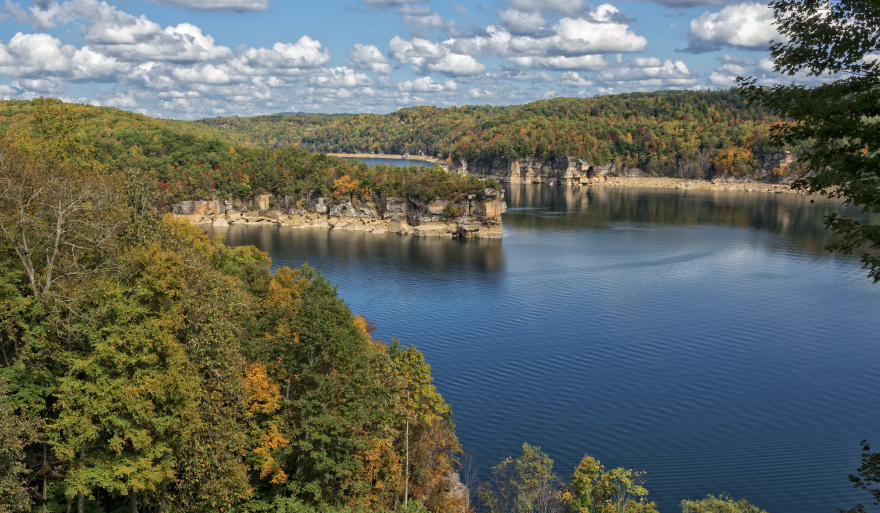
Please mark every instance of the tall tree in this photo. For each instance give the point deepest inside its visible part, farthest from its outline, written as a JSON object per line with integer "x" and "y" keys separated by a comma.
{"x": 837, "y": 120}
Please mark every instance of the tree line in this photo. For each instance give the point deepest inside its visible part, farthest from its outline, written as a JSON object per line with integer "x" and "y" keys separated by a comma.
{"x": 673, "y": 133}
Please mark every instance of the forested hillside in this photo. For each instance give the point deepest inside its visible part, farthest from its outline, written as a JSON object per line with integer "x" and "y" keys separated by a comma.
{"x": 147, "y": 368}
{"x": 194, "y": 161}
{"x": 666, "y": 132}
{"x": 274, "y": 130}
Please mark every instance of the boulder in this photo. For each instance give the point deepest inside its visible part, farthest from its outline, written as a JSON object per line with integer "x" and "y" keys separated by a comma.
{"x": 399, "y": 227}
{"x": 295, "y": 220}
{"x": 433, "y": 229}
{"x": 220, "y": 221}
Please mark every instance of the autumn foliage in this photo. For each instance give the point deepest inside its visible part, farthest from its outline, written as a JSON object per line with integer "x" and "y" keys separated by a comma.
{"x": 155, "y": 369}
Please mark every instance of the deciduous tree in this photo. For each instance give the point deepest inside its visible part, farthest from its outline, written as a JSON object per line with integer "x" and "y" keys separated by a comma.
{"x": 837, "y": 120}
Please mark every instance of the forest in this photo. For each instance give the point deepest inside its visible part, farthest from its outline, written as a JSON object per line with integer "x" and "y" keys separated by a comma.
{"x": 664, "y": 133}
{"x": 192, "y": 161}
{"x": 146, "y": 367}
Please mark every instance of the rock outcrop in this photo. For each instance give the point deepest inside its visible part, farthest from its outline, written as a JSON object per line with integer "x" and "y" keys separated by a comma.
{"x": 476, "y": 216}
{"x": 561, "y": 170}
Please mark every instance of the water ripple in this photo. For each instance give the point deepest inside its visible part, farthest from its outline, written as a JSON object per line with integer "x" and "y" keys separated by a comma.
{"x": 706, "y": 339}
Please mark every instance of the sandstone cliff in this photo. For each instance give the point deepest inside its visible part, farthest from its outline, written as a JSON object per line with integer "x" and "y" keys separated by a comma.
{"x": 477, "y": 215}
{"x": 561, "y": 170}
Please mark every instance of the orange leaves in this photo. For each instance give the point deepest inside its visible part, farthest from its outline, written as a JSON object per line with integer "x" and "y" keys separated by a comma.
{"x": 286, "y": 286}
{"x": 272, "y": 440}
{"x": 263, "y": 395}
{"x": 733, "y": 160}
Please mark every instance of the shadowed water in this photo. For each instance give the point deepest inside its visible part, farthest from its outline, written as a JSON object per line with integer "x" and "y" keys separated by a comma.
{"x": 371, "y": 161}
{"x": 704, "y": 337}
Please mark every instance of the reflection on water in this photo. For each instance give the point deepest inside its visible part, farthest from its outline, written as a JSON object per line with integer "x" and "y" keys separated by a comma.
{"x": 428, "y": 256}
{"x": 704, "y": 337}
{"x": 595, "y": 207}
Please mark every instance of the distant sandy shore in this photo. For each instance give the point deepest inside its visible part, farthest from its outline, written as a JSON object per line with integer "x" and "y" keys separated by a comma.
{"x": 682, "y": 183}
{"x": 425, "y": 158}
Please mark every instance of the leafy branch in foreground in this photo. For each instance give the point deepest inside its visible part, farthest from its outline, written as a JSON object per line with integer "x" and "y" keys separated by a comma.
{"x": 837, "y": 119}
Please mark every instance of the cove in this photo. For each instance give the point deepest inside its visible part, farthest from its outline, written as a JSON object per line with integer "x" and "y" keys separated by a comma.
{"x": 702, "y": 336}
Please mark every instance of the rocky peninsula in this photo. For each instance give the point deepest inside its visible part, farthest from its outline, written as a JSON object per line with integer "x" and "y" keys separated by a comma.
{"x": 475, "y": 216}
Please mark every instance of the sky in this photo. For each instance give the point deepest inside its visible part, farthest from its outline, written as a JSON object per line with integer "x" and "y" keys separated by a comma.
{"x": 191, "y": 59}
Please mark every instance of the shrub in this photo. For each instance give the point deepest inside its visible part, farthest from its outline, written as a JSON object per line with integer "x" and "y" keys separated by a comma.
{"x": 721, "y": 504}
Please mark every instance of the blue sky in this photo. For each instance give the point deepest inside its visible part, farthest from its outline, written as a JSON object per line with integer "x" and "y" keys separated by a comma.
{"x": 203, "y": 58}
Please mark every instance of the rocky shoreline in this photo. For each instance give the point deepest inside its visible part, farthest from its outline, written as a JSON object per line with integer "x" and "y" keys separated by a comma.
{"x": 476, "y": 216}
{"x": 424, "y": 158}
{"x": 690, "y": 184}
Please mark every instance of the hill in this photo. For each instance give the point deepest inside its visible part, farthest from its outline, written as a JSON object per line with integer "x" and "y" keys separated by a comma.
{"x": 672, "y": 133}
{"x": 195, "y": 161}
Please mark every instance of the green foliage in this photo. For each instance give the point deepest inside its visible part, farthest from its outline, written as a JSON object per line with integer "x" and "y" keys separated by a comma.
{"x": 595, "y": 490}
{"x": 524, "y": 485}
{"x": 452, "y": 211}
{"x": 15, "y": 434}
{"x": 719, "y": 504}
{"x": 835, "y": 121}
{"x": 662, "y": 132}
{"x": 128, "y": 403}
{"x": 868, "y": 477}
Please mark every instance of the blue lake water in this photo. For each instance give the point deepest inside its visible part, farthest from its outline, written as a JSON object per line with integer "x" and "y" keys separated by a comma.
{"x": 391, "y": 162}
{"x": 703, "y": 337}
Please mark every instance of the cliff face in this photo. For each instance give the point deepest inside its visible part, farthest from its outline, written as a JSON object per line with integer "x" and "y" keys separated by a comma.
{"x": 478, "y": 215}
{"x": 561, "y": 170}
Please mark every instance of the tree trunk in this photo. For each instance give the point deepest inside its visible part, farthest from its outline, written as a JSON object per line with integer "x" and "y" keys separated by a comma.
{"x": 406, "y": 483}
{"x": 45, "y": 478}
{"x": 80, "y": 496}
{"x": 132, "y": 501}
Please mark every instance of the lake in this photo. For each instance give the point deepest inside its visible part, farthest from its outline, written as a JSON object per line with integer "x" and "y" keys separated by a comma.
{"x": 703, "y": 337}
{"x": 391, "y": 162}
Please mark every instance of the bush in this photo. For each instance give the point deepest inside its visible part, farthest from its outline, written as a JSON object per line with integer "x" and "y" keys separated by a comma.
{"x": 721, "y": 504}
{"x": 452, "y": 211}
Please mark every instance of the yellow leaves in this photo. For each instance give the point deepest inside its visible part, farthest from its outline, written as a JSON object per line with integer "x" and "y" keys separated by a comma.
{"x": 273, "y": 440}
{"x": 286, "y": 286}
{"x": 263, "y": 395}
{"x": 364, "y": 325}
{"x": 733, "y": 160}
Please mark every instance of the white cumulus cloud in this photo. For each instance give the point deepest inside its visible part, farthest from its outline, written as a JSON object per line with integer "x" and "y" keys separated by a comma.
{"x": 217, "y": 5}
{"x": 522, "y": 23}
{"x": 572, "y": 79}
{"x": 427, "y": 85}
{"x": 369, "y": 57}
{"x": 748, "y": 26}
{"x": 648, "y": 72}
{"x": 341, "y": 77}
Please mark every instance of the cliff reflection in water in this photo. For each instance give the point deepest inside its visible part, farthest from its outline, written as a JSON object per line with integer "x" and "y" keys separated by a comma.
{"x": 599, "y": 208}
{"x": 427, "y": 256}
